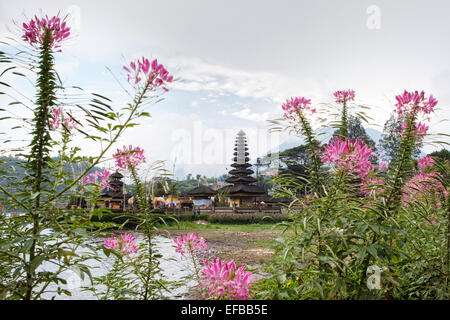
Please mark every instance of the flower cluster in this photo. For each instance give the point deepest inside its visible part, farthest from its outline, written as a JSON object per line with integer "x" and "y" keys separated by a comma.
{"x": 381, "y": 165}
{"x": 425, "y": 162}
{"x": 126, "y": 243}
{"x": 352, "y": 155}
{"x": 424, "y": 184}
{"x": 100, "y": 178}
{"x": 36, "y": 29}
{"x": 418, "y": 131}
{"x": 153, "y": 73}
{"x": 55, "y": 121}
{"x": 129, "y": 157}
{"x": 344, "y": 96}
{"x": 296, "y": 105}
{"x": 190, "y": 242}
{"x": 222, "y": 281}
{"x": 432, "y": 222}
{"x": 409, "y": 102}
{"x": 372, "y": 186}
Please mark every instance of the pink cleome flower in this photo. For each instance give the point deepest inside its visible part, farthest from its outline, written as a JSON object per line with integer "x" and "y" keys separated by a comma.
{"x": 221, "y": 280}
{"x": 69, "y": 123}
{"x": 55, "y": 119}
{"x": 153, "y": 73}
{"x": 419, "y": 130}
{"x": 126, "y": 243}
{"x": 433, "y": 220}
{"x": 372, "y": 185}
{"x": 128, "y": 157}
{"x": 101, "y": 178}
{"x": 414, "y": 101}
{"x": 381, "y": 165}
{"x": 351, "y": 155}
{"x": 35, "y": 30}
{"x": 344, "y": 96}
{"x": 424, "y": 184}
{"x": 190, "y": 242}
{"x": 67, "y": 120}
{"x": 295, "y": 105}
{"x": 425, "y": 162}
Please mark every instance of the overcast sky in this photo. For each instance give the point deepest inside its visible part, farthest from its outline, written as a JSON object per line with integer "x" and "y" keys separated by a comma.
{"x": 239, "y": 60}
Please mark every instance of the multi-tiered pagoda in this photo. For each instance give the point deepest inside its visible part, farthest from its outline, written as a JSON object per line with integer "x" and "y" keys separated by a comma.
{"x": 242, "y": 191}
{"x": 113, "y": 196}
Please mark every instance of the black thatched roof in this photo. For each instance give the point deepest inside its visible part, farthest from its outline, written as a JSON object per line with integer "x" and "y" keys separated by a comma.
{"x": 243, "y": 165}
{"x": 242, "y": 171}
{"x": 202, "y": 190}
{"x": 111, "y": 194}
{"x": 242, "y": 188}
{"x": 116, "y": 175}
{"x": 184, "y": 194}
{"x": 236, "y": 179}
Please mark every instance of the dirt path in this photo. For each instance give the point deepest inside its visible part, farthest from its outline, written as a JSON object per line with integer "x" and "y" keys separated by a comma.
{"x": 244, "y": 247}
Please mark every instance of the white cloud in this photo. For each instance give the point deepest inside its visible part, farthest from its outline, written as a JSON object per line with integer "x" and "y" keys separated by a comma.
{"x": 197, "y": 75}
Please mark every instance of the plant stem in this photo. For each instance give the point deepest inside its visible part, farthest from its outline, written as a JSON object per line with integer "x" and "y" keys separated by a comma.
{"x": 39, "y": 156}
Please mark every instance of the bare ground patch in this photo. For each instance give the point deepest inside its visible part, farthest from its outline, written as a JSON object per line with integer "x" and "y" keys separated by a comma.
{"x": 244, "y": 247}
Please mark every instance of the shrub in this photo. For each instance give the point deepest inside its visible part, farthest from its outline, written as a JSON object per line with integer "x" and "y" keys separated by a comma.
{"x": 249, "y": 218}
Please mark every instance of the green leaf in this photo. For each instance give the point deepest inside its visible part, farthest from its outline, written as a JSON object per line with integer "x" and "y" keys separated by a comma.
{"x": 80, "y": 232}
{"x": 36, "y": 262}
{"x": 27, "y": 245}
{"x": 96, "y": 94}
{"x": 6, "y": 70}
{"x": 372, "y": 250}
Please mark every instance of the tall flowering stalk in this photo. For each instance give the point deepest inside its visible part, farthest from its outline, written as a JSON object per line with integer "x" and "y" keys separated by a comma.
{"x": 342, "y": 97}
{"x": 45, "y": 34}
{"x": 130, "y": 158}
{"x": 192, "y": 244}
{"x": 294, "y": 110}
{"x": 410, "y": 104}
{"x": 117, "y": 279}
{"x": 144, "y": 76}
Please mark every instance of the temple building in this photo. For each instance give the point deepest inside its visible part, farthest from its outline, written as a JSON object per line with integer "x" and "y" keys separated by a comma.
{"x": 242, "y": 192}
{"x": 202, "y": 196}
{"x": 113, "y": 197}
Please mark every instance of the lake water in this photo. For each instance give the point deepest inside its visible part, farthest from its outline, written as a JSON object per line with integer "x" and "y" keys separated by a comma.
{"x": 173, "y": 265}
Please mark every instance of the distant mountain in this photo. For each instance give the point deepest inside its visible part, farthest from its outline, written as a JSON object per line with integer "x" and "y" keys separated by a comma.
{"x": 324, "y": 136}
{"x": 14, "y": 169}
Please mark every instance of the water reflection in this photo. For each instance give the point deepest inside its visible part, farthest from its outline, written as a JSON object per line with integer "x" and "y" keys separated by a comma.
{"x": 173, "y": 265}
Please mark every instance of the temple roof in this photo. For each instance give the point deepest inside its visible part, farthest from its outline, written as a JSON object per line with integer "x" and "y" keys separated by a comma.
{"x": 236, "y": 179}
{"x": 242, "y": 188}
{"x": 117, "y": 175}
{"x": 111, "y": 194}
{"x": 241, "y": 171}
{"x": 201, "y": 190}
{"x": 237, "y": 165}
